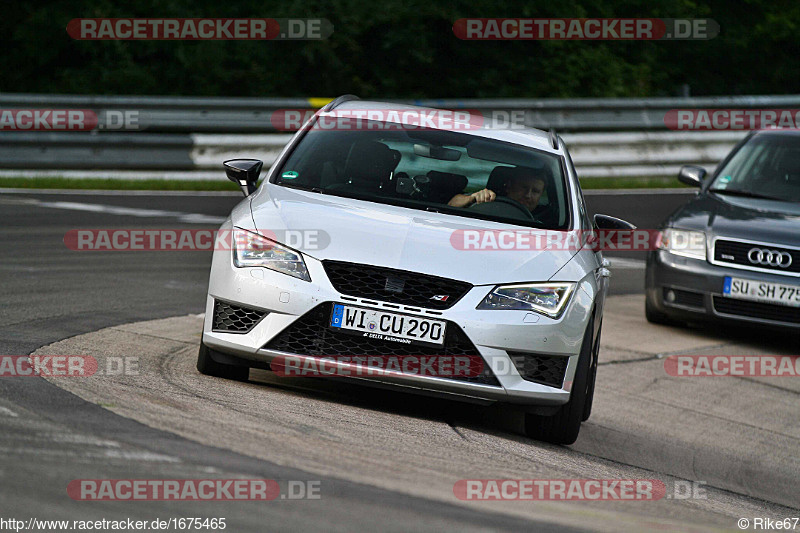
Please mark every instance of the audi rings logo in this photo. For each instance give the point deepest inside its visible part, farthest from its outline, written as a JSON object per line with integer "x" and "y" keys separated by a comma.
{"x": 773, "y": 258}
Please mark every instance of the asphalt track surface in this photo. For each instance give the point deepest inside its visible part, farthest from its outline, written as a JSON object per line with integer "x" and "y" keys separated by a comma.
{"x": 51, "y": 436}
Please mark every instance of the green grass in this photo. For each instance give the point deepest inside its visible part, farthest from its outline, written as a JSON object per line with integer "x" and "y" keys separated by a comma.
{"x": 119, "y": 184}
{"x": 224, "y": 185}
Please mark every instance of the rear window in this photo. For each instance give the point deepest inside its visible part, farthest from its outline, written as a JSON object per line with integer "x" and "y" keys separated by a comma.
{"x": 432, "y": 170}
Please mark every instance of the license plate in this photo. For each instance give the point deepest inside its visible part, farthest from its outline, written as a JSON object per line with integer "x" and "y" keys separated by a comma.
{"x": 382, "y": 325}
{"x": 762, "y": 291}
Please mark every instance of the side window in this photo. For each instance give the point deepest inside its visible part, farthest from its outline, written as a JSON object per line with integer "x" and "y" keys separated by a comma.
{"x": 586, "y": 222}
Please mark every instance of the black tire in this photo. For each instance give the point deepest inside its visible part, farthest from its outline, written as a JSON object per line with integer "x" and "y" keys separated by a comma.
{"x": 206, "y": 365}
{"x": 654, "y": 316}
{"x": 587, "y": 407}
{"x": 563, "y": 426}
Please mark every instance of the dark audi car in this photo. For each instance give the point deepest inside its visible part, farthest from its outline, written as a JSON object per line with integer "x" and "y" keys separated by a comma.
{"x": 733, "y": 251}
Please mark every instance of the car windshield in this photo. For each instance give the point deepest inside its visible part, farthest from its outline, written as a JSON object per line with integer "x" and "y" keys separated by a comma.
{"x": 432, "y": 170}
{"x": 767, "y": 166}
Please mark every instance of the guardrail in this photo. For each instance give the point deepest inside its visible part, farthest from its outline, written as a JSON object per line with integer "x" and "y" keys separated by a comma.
{"x": 252, "y": 115}
{"x": 172, "y": 113}
{"x": 189, "y": 137}
{"x": 198, "y": 156}
{"x": 647, "y": 154}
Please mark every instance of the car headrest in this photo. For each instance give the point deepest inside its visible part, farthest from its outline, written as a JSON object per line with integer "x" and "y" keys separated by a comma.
{"x": 370, "y": 163}
{"x": 501, "y": 175}
{"x": 498, "y": 179}
{"x": 445, "y": 185}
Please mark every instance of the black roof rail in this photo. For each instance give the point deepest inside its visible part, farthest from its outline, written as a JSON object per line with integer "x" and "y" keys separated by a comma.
{"x": 336, "y": 102}
{"x": 553, "y": 138}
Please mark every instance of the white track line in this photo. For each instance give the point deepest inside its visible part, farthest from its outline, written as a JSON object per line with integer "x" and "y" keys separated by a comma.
{"x": 192, "y": 218}
{"x": 8, "y": 412}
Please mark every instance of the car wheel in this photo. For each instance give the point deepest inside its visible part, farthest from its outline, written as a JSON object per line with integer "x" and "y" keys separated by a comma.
{"x": 653, "y": 315}
{"x": 563, "y": 426}
{"x": 587, "y": 407}
{"x": 206, "y": 365}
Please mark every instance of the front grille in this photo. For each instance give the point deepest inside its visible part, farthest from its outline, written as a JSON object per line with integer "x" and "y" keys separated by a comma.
{"x": 230, "y": 318}
{"x": 735, "y": 253}
{"x": 764, "y": 311}
{"x": 311, "y": 334}
{"x": 685, "y": 298}
{"x": 398, "y": 286}
{"x": 544, "y": 369}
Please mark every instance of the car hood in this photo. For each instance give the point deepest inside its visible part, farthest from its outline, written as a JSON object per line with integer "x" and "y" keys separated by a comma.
{"x": 744, "y": 218}
{"x": 364, "y": 232}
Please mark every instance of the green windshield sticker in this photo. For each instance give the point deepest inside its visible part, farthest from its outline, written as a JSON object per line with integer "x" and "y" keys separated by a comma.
{"x": 723, "y": 181}
{"x": 289, "y": 175}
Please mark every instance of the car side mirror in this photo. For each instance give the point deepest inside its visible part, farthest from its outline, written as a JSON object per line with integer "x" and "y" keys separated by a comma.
{"x": 692, "y": 175}
{"x": 244, "y": 173}
{"x": 610, "y": 223}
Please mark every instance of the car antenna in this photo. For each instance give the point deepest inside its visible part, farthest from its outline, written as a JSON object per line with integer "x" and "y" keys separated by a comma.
{"x": 553, "y": 138}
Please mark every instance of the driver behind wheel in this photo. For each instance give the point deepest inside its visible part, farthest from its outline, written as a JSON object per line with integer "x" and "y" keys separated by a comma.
{"x": 524, "y": 185}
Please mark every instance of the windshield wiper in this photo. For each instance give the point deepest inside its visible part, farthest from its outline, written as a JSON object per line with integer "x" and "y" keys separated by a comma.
{"x": 746, "y": 194}
{"x": 301, "y": 187}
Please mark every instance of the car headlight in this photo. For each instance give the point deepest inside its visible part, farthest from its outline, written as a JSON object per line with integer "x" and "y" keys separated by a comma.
{"x": 684, "y": 242}
{"x": 546, "y": 298}
{"x": 253, "y": 250}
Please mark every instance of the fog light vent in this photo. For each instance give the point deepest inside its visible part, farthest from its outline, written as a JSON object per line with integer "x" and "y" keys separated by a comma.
{"x": 544, "y": 369}
{"x": 231, "y": 318}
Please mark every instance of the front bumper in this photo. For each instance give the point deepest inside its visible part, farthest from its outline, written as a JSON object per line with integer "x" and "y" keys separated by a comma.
{"x": 493, "y": 333}
{"x": 697, "y": 286}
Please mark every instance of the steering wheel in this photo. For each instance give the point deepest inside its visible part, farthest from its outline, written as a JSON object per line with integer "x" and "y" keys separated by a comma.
{"x": 506, "y": 200}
